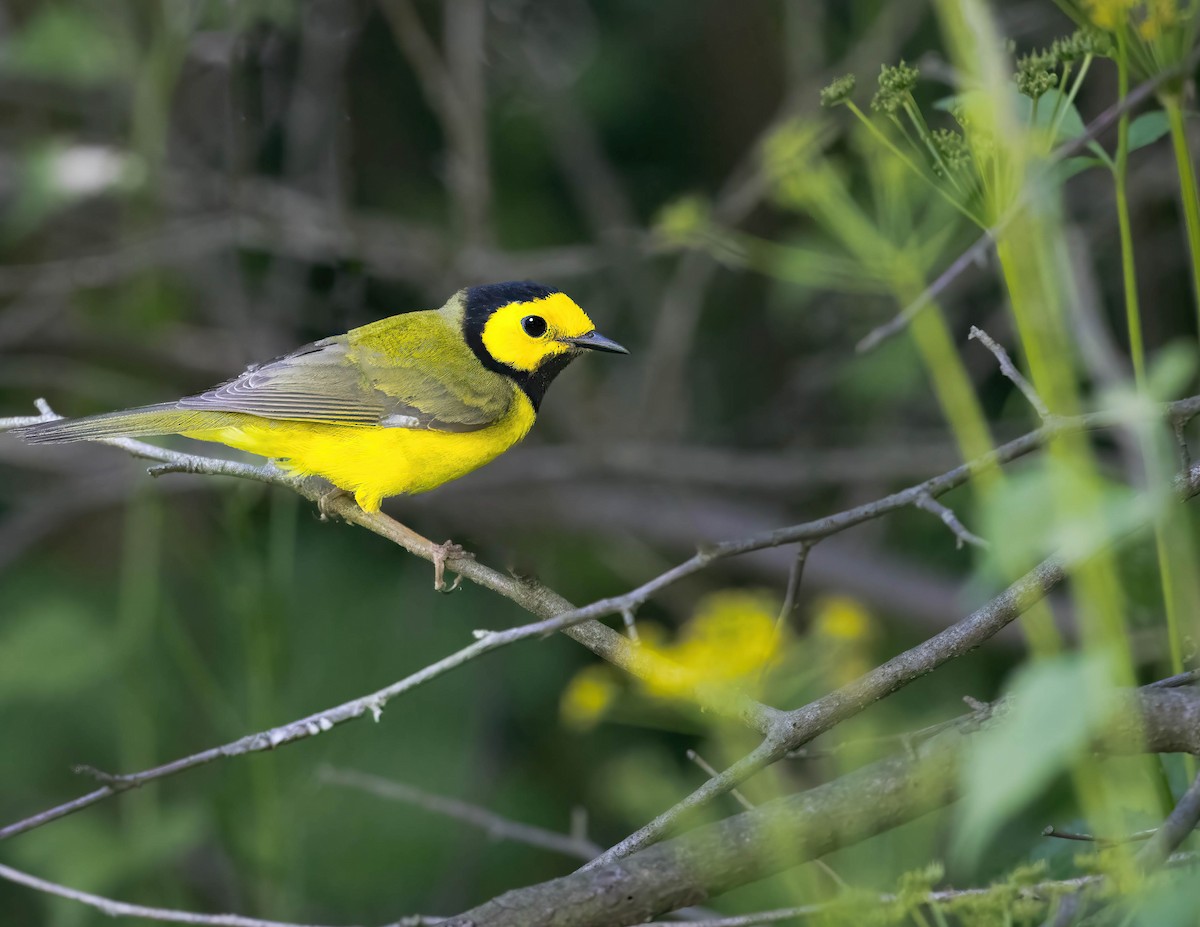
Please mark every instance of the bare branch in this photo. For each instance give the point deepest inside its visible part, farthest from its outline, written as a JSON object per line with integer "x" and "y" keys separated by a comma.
{"x": 1009, "y": 369}
{"x": 494, "y": 825}
{"x": 168, "y": 915}
{"x": 704, "y": 765}
{"x": 716, "y": 858}
{"x": 798, "y": 727}
{"x": 1052, "y": 831}
{"x": 783, "y": 732}
{"x": 1180, "y": 679}
{"x": 791, "y": 595}
{"x": 961, "y": 535}
{"x": 1175, "y": 829}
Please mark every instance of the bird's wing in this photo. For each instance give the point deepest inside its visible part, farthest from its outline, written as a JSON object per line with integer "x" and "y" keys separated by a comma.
{"x": 336, "y": 382}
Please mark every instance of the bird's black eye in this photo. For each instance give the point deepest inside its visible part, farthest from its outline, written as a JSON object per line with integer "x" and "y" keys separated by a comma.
{"x": 534, "y": 325}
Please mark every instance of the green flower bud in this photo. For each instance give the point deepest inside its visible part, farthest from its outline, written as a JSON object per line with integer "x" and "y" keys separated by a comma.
{"x": 838, "y": 91}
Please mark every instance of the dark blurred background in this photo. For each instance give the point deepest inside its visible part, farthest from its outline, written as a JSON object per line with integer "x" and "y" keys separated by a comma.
{"x": 186, "y": 188}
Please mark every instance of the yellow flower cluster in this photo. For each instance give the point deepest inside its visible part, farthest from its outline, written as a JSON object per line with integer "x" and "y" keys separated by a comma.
{"x": 1108, "y": 14}
{"x": 843, "y": 630}
{"x": 728, "y": 643}
{"x": 730, "y": 639}
{"x": 588, "y": 697}
{"x": 1151, "y": 18}
{"x": 839, "y": 617}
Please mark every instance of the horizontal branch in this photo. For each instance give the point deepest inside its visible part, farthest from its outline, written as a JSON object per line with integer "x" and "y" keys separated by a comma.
{"x": 719, "y": 857}
{"x": 782, "y": 732}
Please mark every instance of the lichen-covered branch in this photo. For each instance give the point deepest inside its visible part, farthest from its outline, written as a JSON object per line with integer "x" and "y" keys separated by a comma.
{"x": 787, "y": 831}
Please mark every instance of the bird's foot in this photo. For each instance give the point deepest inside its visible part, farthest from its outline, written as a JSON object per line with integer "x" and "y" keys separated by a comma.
{"x": 325, "y": 502}
{"x": 441, "y": 554}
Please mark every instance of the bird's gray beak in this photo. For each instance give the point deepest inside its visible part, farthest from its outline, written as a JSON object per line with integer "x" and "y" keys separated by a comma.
{"x": 594, "y": 341}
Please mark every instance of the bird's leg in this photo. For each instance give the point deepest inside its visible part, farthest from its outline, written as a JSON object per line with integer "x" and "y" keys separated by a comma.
{"x": 441, "y": 553}
{"x": 325, "y": 501}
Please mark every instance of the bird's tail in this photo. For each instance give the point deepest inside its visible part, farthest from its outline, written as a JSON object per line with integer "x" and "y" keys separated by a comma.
{"x": 163, "y": 419}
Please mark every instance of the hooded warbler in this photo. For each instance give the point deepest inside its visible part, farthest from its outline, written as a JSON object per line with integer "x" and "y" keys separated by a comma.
{"x": 401, "y": 405}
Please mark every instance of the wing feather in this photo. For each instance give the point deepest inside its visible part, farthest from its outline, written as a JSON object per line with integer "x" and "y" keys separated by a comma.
{"x": 395, "y": 385}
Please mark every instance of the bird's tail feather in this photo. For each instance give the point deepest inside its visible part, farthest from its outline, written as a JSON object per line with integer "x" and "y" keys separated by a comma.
{"x": 162, "y": 419}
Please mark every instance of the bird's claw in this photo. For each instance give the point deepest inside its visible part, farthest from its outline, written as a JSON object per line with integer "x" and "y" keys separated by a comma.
{"x": 325, "y": 502}
{"x": 441, "y": 554}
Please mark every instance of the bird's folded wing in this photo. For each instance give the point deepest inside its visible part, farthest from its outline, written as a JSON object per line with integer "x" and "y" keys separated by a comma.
{"x": 329, "y": 381}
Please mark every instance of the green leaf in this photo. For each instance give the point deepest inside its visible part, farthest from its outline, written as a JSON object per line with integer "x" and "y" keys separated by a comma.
{"x": 1055, "y": 708}
{"x": 1070, "y": 123}
{"x": 1065, "y": 170}
{"x": 1041, "y": 494}
{"x": 1098, "y": 150}
{"x": 1171, "y": 370}
{"x": 1147, "y": 129}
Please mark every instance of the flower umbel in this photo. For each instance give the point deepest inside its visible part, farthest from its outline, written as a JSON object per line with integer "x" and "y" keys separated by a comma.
{"x": 895, "y": 84}
{"x": 838, "y": 91}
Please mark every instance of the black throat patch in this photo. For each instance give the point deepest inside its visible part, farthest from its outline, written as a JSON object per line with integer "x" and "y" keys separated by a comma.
{"x": 480, "y": 303}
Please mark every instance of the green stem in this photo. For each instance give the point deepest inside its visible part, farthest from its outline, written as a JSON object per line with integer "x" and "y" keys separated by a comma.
{"x": 907, "y": 161}
{"x": 1187, "y": 186}
{"x": 922, "y": 130}
{"x": 1066, "y": 104}
{"x": 1133, "y": 318}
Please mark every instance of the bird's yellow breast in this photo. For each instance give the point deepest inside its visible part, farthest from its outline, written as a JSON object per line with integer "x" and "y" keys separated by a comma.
{"x": 375, "y": 462}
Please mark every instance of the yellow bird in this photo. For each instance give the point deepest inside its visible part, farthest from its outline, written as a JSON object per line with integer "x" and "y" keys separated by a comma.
{"x": 401, "y": 405}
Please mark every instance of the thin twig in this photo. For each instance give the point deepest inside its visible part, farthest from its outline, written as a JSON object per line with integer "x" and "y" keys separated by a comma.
{"x": 1180, "y": 823}
{"x": 169, "y": 915}
{"x": 709, "y": 771}
{"x": 1052, "y": 831}
{"x": 791, "y": 596}
{"x": 961, "y": 535}
{"x": 979, "y": 711}
{"x": 1157, "y": 852}
{"x": 1009, "y": 369}
{"x": 494, "y": 825}
{"x": 1179, "y": 679}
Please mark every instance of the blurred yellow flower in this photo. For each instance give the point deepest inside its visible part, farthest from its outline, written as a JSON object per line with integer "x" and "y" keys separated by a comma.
{"x": 1151, "y": 18}
{"x": 1108, "y": 14}
{"x": 839, "y": 617}
{"x": 728, "y": 642}
{"x": 588, "y": 697}
{"x": 1160, "y": 15}
{"x": 842, "y": 630}
{"x": 729, "y": 639}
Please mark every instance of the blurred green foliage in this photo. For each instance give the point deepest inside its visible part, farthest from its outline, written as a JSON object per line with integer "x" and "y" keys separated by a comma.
{"x": 190, "y": 188}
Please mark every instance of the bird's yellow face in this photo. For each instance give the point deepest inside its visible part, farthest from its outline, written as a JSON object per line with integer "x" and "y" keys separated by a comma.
{"x": 525, "y": 334}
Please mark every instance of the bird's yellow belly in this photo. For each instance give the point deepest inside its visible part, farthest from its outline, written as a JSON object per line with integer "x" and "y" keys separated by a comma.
{"x": 375, "y": 462}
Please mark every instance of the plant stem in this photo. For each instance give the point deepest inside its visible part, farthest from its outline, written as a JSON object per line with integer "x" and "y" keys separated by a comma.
{"x": 890, "y": 146}
{"x": 1187, "y": 186}
{"x": 1066, "y": 104}
{"x": 1133, "y": 318}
